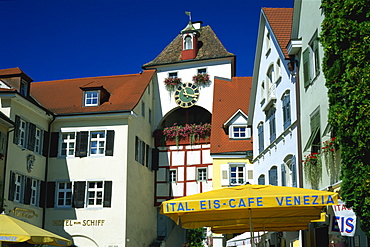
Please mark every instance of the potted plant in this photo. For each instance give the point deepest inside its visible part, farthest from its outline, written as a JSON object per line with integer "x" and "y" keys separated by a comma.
{"x": 313, "y": 169}
{"x": 171, "y": 83}
{"x": 202, "y": 79}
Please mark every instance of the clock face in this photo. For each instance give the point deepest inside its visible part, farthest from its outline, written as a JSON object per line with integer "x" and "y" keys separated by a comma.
{"x": 186, "y": 94}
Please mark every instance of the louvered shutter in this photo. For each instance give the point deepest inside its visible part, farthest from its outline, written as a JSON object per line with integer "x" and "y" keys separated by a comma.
{"x": 31, "y": 136}
{"x": 81, "y": 143}
{"x": 107, "y": 194}
{"x": 16, "y": 130}
{"x": 155, "y": 159}
{"x": 273, "y": 176}
{"x": 11, "y": 186}
{"x": 27, "y": 191}
{"x": 225, "y": 173}
{"x": 50, "y": 195}
{"x": 306, "y": 67}
{"x": 45, "y": 144}
{"x": 54, "y": 139}
{"x": 110, "y": 143}
{"x": 79, "y": 194}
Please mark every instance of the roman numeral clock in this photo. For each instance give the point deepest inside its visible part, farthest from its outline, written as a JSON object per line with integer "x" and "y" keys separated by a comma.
{"x": 186, "y": 94}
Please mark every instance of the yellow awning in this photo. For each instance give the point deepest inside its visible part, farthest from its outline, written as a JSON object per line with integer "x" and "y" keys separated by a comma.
{"x": 262, "y": 206}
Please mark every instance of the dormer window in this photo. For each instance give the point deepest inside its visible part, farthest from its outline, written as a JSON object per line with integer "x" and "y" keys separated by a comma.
{"x": 188, "y": 44}
{"x": 91, "y": 98}
{"x": 240, "y": 132}
{"x": 23, "y": 89}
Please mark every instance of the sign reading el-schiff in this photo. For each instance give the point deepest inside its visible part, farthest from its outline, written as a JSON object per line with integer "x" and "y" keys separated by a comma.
{"x": 249, "y": 202}
{"x": 343, "y": 221}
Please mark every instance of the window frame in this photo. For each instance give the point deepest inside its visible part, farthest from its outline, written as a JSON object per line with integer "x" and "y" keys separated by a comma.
{"x": 202, "y": 71}
{"x": 202, "y": 174}
{"x": 188, "y": 42}
{"x": 98, "y": 194}
{"x": 311, "y": 61}
{"x": 19, "y": 187}
{"x": 172, "y": 176}
{"x": 93, "y": 96}
{"x": 64, "y": 192}
{"x": 237, "y": 173}
{"x": 234, "y": 132}
{"x": 35, "y": 192}
{"x": 172, "y": 75}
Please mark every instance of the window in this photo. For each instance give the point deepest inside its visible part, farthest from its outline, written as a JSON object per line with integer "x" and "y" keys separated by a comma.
{"x": 95, "y": 194}
{"x": 270, "y": 76}
{"x": 273, "y": 179}
{"x": 202, "y": 174}
{"x": 97, "y": 142}
{"x": 143, "y": 109}
{"x": 240, "y": 132}
{"x": 188, "y": 44}
{"x": 91, "y": 98}
{"x": 172, "y": 75}
{"x": 289, "y": 171}
{"x": 35, "y": 184}
{"x": 260, "y": 138}
{"x": 19, "y": 187}
{"x": 311, "y": 64}
{"x": 202, "y": 71}
{"x": 263, "y": 91}
{"x": 268, "y": 42}
{"x": 261, "y": 180}
{"x": 237, "y": 174}
{"x": 314, "y": 141}
{"x": 27, "y": 135}
{"x": 286, "y": 110}
{"x": 68, "y": 143}
{"x": 278, "y": 70}
{"x": 272, "y": 124}
{"x": 23, "y": 90}
{"x": 64, "y": 194}
{"x": 143, "y": 153}
{"x": 172, "y": 176}
{"x": 87, "y": 143}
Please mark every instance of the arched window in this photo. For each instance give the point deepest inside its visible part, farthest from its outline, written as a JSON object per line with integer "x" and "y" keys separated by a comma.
{"x": 273, "y": 178}
{"x": 261, "y": 180}
{"x": 289, "y": 171}
{"x": 188, "y": 44}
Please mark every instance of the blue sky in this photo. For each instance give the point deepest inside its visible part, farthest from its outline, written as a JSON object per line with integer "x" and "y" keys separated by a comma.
{"x": 62, "y": 39}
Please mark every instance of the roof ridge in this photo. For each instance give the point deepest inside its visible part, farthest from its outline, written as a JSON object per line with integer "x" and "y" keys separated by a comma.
{"x": 92, "y": 78}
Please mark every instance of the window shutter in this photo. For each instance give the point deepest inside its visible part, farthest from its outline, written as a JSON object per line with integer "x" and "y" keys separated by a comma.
{"x": 306, "y": 67}
{"x": 273, "y": 176}
{"x": 16, "y": 130}
{"x": 82, "y": 143}
{"x": 27, "y": 191}
{"x": 225, "y": 175}
{"x": 31, "y": 136}
{"x": 315, "y": 48}
{"x": 54, "y": 138}
{"x": 137, "y": 148}
{"x": 50, "y": 195}
{"x": 283, "y": 175}
{"x": 294, "y": 172}
{"x": 261, "y": 180}
{"x": 110, "y": 143}
{"x": 155, "y": 159}
{"x": 260, "y": 138}
{"x": 147, "y": 148}
{"x": 11, "y": 186}
{"x": 45, "y": 144}
{"x": 107, "y": 194}
{"x": 79, "y": 194}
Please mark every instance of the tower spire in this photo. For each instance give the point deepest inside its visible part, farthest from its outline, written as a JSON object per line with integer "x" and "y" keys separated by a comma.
{"x": 188, "y": 14}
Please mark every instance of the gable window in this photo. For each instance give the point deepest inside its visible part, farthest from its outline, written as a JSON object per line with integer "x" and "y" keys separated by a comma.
{"x": 91, "y": 98}
{"x": 311, "y": 63}
{"x": 273, "y": 179}
{"x": 202, "y": 174}
{"x": 188, "y": 44}
{"x": 64, "y": 194}
{"x": 260, "y": 138}
{"x": 87, "y": 143}
{"x": 172, "y": 176}
{"x": 237, "y": 174}
{"x": 240, "y": 132}
{"x": 286, "y": 110}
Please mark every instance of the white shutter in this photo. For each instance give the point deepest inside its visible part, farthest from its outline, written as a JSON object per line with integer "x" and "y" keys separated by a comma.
{"x": 225, "y": 175}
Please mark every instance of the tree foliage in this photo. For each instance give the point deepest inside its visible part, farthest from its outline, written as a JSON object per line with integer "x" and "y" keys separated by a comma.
{"x": 346, "y": 40}
{"x": 196, "y": 237}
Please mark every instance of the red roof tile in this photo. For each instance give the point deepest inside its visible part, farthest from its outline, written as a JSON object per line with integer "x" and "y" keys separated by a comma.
{"x": 280, "y": 20}
{"x": 229, "y": 97}
{"x": 66, "y": 96}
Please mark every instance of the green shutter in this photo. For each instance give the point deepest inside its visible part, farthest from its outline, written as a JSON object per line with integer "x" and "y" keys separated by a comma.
{"x": 306, "y": 67}
{"x": 110, "y": 143}
{"x": 82, "y": 139}
{"x": 16, "y": 130}
{"x": 27, "y": 191}
{"x": 31, "y": 136}
{"x": 107, "y": 194}
{"x": 79, "y": 194}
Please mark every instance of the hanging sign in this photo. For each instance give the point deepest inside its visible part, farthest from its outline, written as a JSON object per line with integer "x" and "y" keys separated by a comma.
{"x": 343, "y": 221}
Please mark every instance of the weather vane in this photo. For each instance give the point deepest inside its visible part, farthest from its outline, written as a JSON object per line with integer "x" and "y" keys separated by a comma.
{"x": 188, "y": 14}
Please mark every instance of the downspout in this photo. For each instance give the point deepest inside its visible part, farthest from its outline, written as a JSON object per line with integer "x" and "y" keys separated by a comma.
{"x": 4, "y": 175}
{"x": 294, "y": 71}
{"x": 46, "y": 174}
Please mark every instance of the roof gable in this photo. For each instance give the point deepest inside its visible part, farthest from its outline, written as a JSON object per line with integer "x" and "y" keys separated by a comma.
{"x": 209, "y": 47}
{"x": 238, "y": 116}
{"x": 66, "y": 96}
{"x": 280, "y": 21}
{"x": 231, "y": 99}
